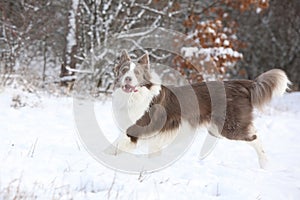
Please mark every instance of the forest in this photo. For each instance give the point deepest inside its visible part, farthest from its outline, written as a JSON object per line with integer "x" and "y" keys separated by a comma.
{"x": 49, "y": 45}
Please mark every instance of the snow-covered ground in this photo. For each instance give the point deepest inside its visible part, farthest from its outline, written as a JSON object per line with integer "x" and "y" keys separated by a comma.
{"x": 41, "y": 157}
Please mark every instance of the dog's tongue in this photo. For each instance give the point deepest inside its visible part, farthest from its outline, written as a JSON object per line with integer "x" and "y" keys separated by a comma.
{"x": 129, "y": 88}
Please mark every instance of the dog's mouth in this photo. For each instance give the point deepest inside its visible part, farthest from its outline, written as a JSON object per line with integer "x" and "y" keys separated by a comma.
{"x": 129, "y": 88}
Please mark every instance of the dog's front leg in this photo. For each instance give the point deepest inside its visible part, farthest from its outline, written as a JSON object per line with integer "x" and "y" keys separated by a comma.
{"x": 121, "y": 145}
{"x": 125, "y": 144}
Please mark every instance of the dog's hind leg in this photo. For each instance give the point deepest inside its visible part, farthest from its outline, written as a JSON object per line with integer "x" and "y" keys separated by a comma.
{"x": 262, "y": 158}
{"x": 257, "y": 145}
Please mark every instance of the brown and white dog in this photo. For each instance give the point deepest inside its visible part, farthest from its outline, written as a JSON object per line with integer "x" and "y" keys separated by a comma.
{"x": 140, "y": 91}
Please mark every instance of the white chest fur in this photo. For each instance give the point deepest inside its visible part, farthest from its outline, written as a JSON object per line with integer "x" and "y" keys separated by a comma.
{"x": 129, "y": 107}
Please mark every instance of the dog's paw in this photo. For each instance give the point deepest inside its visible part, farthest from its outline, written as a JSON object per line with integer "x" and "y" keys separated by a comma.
{"x": 263, "y": 163}
{"x": 112, "y": 150}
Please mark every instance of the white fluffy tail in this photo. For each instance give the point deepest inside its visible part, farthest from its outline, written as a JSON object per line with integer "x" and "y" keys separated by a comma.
{"x": 269, "y": 84}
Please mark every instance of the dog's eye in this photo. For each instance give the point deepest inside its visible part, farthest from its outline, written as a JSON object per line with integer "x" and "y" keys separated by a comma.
{"x": 124, "y": 70}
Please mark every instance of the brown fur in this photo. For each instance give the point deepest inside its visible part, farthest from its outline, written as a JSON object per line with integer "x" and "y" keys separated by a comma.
{"x": 241, "y": 97}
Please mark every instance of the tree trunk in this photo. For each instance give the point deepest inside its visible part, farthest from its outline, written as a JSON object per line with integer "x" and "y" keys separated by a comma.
{"x": 70, "y": 49}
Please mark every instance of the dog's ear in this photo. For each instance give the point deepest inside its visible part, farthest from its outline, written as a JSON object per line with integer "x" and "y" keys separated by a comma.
{"x": 144, "y": 61}
{"x": 124, "y": 56}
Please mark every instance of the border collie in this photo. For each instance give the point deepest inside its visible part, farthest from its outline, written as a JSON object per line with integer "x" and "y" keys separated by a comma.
{"x": 148, "y": 110}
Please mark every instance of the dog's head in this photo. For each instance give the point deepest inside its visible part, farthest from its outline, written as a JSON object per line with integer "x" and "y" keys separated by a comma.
{"x": 130, "y": 75}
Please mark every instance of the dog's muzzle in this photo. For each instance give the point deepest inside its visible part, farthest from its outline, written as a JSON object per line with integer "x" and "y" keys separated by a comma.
{"x": 129, "y": 88}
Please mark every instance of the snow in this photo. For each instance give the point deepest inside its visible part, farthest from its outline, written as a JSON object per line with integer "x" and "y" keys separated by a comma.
{"x": 189, "y": 51}
{"x": 217, "y": 41}
{"x": 41, "y": 157}
{"x": 258, "y": 10}
{"x": 210, "y": 30}
{"x": 210, "y": 51}
{"x": 226, "y": 43}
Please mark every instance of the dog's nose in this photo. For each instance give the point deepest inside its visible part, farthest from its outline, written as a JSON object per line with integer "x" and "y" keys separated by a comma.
{"x": 127, "y": 78}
